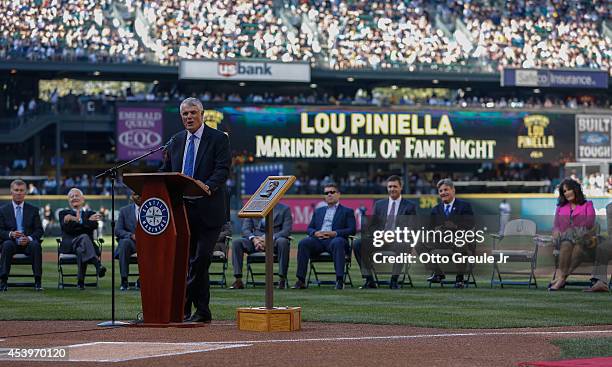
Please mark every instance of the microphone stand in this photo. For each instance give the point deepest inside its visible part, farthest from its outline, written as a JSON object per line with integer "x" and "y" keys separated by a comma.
{"x": 112, "y": 173}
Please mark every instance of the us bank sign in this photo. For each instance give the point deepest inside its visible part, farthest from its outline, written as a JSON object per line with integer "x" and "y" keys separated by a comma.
{"x": 244, "y": 70}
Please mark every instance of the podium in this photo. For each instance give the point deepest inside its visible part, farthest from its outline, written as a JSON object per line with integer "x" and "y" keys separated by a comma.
{"x": 162, "y": 242}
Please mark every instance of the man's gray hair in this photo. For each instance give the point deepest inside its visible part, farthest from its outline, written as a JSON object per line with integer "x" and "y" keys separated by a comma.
{"x": 194, "y": 102}
{"x": 75, "y": 189}
{"x": 17, "y": 182}
{"x": 445, "y": 181}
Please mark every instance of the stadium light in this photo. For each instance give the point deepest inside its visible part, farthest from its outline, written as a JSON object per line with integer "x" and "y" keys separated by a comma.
{"x": 350, "y": 79}
{"x": 435, "y": 81}
{"x": 313, "y": 85}
{"x": 394, "y": 87}
{"x": 96, "y": 73}
{"x": 242, "y": 84}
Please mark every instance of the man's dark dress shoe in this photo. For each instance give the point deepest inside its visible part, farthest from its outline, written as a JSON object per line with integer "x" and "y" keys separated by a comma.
{"x": 339, "y": 284}
{"x": 199, "y": 318}
{"x": 436, "y": 278}
{"x": 299, "y": 285}
{"x": 3, "y": 286}
{"x": 394, "y": 284}
{"x": 282, "y": 283}
{"x": 237, "y": 284}
{"x": 369, "y": 284}
{"x": 102, "y": 271}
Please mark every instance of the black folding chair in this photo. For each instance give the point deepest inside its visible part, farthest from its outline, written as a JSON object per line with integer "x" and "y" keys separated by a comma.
{"x": 66, "y": 262}
{"x": 326, "y": 257}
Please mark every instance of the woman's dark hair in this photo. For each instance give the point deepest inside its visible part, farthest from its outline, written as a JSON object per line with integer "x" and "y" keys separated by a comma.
{"x": 575, "y": 187}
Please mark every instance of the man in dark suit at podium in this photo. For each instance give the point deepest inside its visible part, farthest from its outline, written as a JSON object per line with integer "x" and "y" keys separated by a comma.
{"x": 254, "y": 240}
{"x": 21, "y": 232}
{"x": 328, "y": 231}
{"x": 389, "y": 214}
{"x": 203, "y": 153}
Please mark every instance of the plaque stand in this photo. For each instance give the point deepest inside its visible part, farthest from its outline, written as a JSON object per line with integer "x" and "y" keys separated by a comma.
{"x": 268, "y": 318}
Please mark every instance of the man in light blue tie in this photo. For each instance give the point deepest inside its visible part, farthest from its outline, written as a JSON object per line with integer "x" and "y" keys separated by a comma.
{"x": 21, "y": 233}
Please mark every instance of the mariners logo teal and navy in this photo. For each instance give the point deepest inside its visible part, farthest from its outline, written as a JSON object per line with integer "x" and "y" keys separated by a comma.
{"x": 154, "y": 216}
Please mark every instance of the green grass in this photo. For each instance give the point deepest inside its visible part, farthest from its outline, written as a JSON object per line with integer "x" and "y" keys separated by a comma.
{"x": 584, "y": 348}
{"x": 420, "y": 306}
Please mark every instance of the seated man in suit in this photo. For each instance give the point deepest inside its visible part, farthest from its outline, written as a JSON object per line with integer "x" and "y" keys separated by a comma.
{"x": 253, "y": 240}
{"x": 328, "y": 231}
{"x": 77, "y": 226}
{"x": 450, "y": 214}
{"x": 389, "y": 214}
{"x": 21, "y": 232}
{"x": 126, "y": 234}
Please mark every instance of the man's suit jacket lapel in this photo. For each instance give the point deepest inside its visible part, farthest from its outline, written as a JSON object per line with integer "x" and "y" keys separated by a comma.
{"x": 402, "y": 207}
{"x": 177, "y": 158}
{"x": 10, "y": 213}
{"x": 384, "y": 209}
{"x": 132, "y": 218}
{"x": 276, "y": 220}
{"x": 201, "y": 149}
{"x": 336, "y": 216}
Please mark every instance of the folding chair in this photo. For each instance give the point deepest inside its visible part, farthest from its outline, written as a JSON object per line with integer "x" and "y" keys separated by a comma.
{"x": 578, "y": 272}
{"x": 133, "y": 260}
{"x": 404, "y": 277}
{"x": 469, "y": 277}
{"x": 260, "y": 258}
{"x": 220, "y": 257}
{"x": 512, "y": 244}
{"x": 69, "y": 260}
{"x": 19, "y": 260}
{"x": 326, "y": 257}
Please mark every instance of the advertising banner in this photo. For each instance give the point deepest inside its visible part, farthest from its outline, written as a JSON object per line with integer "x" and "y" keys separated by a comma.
{"x": 139, "y": 130}
{"x": 245, "y": 70}
{"x": 593, "y": 138}
{"x": 377, "y": 134}
{"x": 543, "y": 78}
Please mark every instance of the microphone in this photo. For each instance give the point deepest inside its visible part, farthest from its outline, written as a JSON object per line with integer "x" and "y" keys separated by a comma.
{"x": 165, "y": 146}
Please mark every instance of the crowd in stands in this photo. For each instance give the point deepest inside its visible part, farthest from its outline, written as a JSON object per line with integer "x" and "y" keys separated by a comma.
{"x": 68, "y": 30}
{"x": 539, "y": 34}
{"x": 338, "y": 34}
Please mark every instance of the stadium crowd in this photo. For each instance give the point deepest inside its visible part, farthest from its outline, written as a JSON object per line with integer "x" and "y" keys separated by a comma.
{"x": 333, "y": 34}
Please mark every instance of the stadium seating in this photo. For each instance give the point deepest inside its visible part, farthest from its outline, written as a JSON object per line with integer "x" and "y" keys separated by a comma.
{"x": 341, "y": 35}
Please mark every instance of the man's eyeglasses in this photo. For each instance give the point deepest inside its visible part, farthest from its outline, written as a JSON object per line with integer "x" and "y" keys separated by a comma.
{"x": 331, "y": 192}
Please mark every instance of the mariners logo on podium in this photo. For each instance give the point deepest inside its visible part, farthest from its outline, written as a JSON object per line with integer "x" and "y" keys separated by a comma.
{"x": 154, "y": 216}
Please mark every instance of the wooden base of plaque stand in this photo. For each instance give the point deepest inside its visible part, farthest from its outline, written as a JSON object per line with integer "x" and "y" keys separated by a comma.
{"x": 274, "y": 319}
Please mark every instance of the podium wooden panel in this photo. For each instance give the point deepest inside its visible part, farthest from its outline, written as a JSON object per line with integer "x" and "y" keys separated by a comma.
{"x": 163, "y": 258}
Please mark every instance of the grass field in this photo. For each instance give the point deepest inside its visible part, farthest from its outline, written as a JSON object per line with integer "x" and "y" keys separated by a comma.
{"x": 584, "y": 348}
{"x": 446, "y": 307}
